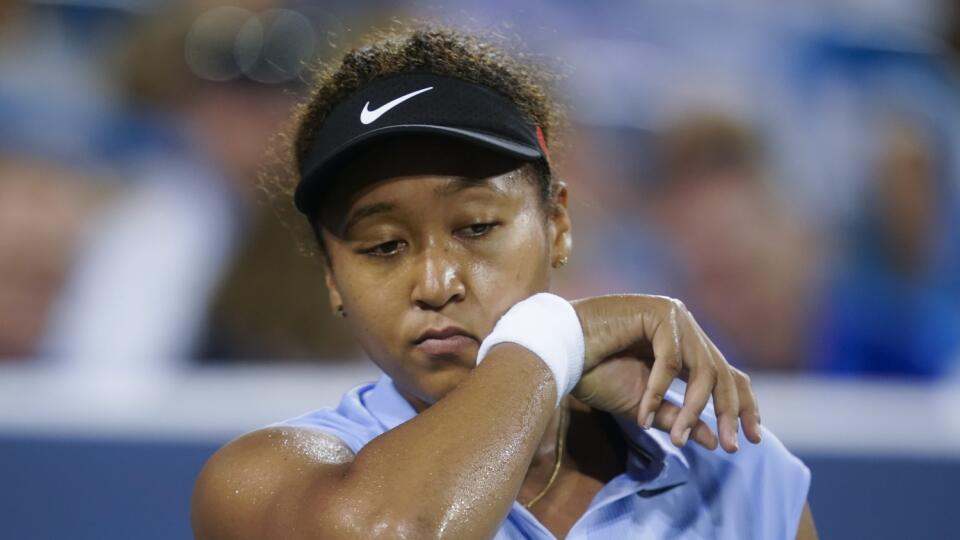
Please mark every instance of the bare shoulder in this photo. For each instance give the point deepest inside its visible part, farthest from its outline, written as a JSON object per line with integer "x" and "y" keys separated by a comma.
{"x": 256, "y": 485}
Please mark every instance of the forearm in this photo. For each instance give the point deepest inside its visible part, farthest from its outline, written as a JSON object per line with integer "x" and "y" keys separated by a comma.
{"x": 455, "y": 469}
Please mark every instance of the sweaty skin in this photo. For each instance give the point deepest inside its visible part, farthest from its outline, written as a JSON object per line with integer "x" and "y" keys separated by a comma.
{"x": 432, "y": 234}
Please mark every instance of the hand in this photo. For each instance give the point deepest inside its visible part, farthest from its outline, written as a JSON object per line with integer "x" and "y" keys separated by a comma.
{"x": 635, "y": 345}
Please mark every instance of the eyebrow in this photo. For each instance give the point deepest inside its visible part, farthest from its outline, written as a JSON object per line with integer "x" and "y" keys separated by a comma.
{"x": 456, "y": 185}
{"x": 367, "y": 211}
{"x": 451, "y": 187}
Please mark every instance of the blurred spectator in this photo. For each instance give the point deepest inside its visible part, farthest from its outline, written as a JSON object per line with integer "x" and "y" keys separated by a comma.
{"x": 615, "y": 247}
{"x": 56, "y": 99}
{"x": 43, "y": 213}
{"x": 272, "y": 303}
{"x": 142, "y": 294}
{"x": 895, "y": 303}
{"x": 10, "y": 10}
{"x": 749, "y": 266}
{"x": 953, "y": 33}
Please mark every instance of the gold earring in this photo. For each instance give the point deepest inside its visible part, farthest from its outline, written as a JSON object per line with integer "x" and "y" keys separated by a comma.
{"x": 341, "y": 312}
{"x": 560, "y": 262}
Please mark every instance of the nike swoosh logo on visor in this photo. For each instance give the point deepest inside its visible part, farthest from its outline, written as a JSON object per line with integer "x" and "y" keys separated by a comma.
{"x": 368, "y": 117}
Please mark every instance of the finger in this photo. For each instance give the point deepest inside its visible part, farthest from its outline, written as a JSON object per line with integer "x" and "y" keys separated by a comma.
{"x": 666, "y": 417}
{"x": 749, "y": 406}
{"x": 667, "y": 363}
{"x": 726, "y": 401}
{"x": 703, "y": 378}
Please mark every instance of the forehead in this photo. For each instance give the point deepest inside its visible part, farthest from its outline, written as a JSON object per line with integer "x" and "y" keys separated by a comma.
{"x": 417, "y": 170}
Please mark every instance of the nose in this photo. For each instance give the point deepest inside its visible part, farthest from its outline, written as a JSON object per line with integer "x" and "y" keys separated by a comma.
{"x": 439, "y": 282}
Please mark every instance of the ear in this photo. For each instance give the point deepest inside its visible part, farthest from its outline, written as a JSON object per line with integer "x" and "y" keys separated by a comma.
{"x": 332, "y": 290}
{"x": 561, "y": 235}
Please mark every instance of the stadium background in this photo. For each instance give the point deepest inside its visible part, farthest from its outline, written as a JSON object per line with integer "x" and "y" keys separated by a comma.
{"x": 789, "y": 170}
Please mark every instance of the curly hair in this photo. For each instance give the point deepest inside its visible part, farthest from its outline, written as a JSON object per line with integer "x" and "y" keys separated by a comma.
{"x": 487, "y": 60}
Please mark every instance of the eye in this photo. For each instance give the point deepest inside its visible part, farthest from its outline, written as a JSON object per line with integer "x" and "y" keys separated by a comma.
{"x": 386, "y": 249}
{"x": 476, "y": 230}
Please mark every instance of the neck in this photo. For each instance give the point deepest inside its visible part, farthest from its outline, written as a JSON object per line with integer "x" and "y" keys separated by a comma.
{"x": 546, "y": 453}
{"x": 547, "y": 461}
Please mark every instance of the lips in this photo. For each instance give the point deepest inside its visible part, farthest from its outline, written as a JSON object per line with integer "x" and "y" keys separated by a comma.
{"x": 449, "y": 340}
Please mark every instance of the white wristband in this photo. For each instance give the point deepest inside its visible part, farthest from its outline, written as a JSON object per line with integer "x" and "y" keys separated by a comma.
{"x": 548, "y": 326}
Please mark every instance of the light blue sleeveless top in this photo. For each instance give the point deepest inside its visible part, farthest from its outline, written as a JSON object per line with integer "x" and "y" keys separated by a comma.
{"x": 668, "y": 493}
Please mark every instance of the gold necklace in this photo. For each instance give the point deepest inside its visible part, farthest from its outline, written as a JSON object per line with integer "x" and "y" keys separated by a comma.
{"x": 561, "y": 435}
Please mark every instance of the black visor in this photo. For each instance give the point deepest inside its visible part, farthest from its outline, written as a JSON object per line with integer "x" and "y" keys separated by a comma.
{"x": 415, "y": 103}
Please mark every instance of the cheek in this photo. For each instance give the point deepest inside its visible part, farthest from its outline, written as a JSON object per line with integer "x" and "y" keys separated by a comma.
{"x": 371, "y": 299}
{"x": 515, "y": 266}
{"x": 376, "y": 302}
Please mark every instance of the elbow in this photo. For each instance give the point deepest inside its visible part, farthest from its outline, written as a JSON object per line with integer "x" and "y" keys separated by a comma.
{"x": 354, "y": 519}
{"x": 390, "y": 525}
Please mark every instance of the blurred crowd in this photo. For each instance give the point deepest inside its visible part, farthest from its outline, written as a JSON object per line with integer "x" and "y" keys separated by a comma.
{"x": 790, "y": 172}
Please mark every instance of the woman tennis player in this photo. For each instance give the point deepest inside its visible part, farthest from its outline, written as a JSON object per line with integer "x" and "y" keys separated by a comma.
{"x": 503, "y": 411}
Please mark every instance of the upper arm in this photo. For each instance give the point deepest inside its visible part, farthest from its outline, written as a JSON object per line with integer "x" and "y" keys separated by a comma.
{"x": 265, "y": 484}
{"x": 807, "y": 530}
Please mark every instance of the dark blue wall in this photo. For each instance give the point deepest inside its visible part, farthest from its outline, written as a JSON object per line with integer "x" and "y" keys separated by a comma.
{"x": 94, "y": 489}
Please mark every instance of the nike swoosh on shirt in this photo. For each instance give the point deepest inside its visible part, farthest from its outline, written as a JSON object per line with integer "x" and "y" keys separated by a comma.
{"x": 368, "y": 117}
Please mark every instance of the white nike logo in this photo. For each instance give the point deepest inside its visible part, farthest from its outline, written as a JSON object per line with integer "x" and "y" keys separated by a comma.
{"x": 368, "y": 117}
